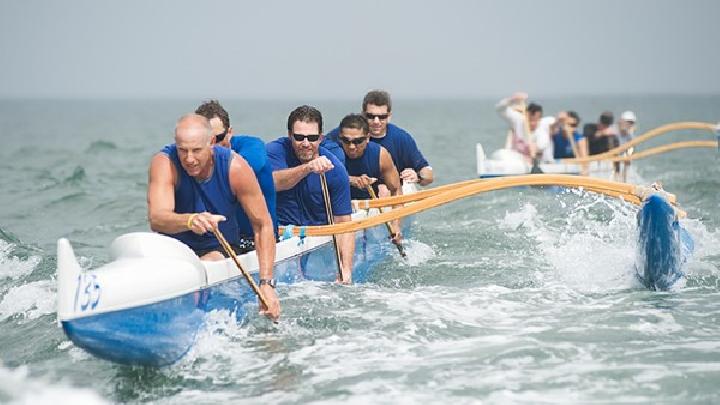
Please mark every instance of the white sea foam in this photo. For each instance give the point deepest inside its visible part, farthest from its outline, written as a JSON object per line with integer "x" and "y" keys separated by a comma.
{"x": 18, "y": 388}
{"x": 29, "y": 301}
{"x": 417, "y": 253}
{"x": 585, "y": 253}
{"x": 12, "y": 267}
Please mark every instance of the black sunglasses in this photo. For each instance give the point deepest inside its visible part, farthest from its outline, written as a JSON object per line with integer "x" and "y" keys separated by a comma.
{"x": 221, "y": 136}
{"x": 355, "y": 141}
{"x": 381, "y": 117}
{"x": 310, "y": 138}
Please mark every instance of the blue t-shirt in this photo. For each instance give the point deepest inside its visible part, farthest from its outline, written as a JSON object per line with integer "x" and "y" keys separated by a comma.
{"x": 335, "y": 148}
{"x": 367, "y": 164}
{"x": 562, "y": 148}
{"x": 213, "y": 195}
{"x": 304, "y": 203}
{"x": 401, "y": 146}
{"x": 252, "y": 149}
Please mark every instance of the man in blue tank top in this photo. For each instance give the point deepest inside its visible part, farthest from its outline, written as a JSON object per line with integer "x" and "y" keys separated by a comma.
{"x": 297, "y": 162}
{"x": 409, "y": 161}
{"x": 368, "y": 164}
{"x": 568, "y": 142}
{"x": 195, "y": 187}
{"x": 252, "y": 149}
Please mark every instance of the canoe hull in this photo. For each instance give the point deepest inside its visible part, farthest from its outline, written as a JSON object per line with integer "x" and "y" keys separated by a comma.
{"x": 161, "y": 332}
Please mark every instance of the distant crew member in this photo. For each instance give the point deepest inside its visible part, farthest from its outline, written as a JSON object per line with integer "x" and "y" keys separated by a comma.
{"x": 626, "y": 127}
{"x": 368, "y": 164}
{"x": 297, "y": 161}
{"x": 603, "y": 138}
{"x": 409, "y": 161}
{"x": 195, "y": 187}
{"x": 252, "y": 149}
{"x": 568, "y": 142}
{"x": 626, "y": 133}
{"x": 538, "y": 143}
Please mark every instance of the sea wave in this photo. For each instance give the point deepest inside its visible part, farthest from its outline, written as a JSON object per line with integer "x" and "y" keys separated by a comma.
{"x": 98, "y": 146}
{"x": 18, "y": 387}
{"x": 12, "y": 267}
{"x": 29, "y": 301}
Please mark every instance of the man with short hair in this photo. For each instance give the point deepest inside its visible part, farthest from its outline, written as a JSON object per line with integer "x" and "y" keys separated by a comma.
{"x": 195, "y": 187}
{"x": 297, "y": 161}
{"x": 368, "y": 164}
{"x": 409, "y": 161}
{"x": 535, "y": 145}
{"x": 568, "y": 142}
{"x": 252, "y": 149}
{"x": 604, "y": 137}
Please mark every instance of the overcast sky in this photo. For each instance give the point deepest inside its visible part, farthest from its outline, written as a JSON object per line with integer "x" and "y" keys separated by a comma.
{"x": 340, "y": 49}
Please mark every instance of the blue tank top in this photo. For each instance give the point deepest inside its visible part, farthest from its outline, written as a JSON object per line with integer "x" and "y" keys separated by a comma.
{"x": 213, "y": 195}
{"x": 562, "y": 148}
{"x": 368, "y": 164}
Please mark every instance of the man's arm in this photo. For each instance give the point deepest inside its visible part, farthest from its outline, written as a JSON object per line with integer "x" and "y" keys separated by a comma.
{"x": 286, "y": 179}
{"x": 392, "y": 181}
{"x": 426, "y": 176}
{"x": 339, "y": 190}
{"x": 346, "y": 247}
{"x": 247, "y": 191}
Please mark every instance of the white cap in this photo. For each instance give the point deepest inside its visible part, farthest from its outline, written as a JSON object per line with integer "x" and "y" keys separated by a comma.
{"x": 628, "y": 116}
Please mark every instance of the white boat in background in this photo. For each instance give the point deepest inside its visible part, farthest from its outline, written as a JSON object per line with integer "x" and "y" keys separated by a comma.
{"x": 507, "y": 162}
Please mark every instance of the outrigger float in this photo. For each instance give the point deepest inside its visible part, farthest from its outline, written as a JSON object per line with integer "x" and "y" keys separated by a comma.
{"x": 147, "y": 306}
{"x": 505, "y": 162}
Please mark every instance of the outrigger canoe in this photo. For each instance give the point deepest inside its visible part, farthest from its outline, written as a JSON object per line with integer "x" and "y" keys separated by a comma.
{"x": 506, "y": 162}
{"x": 147, "y": 306}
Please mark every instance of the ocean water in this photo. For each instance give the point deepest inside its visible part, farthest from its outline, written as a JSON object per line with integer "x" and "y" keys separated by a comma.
{"x": 514, "y": 296}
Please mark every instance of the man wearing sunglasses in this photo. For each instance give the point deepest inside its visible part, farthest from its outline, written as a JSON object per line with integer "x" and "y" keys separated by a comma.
{"x": 409, "y": 161}
{"x": 568, "y": 142}
{"x": 368, "y": 164}
{"x": 195, "y": 187}
{"x": 252, "y": 149}
{"x": 297, "y": 161}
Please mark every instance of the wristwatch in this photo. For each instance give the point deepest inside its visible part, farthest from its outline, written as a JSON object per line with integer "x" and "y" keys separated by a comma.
{"x": 269, "y": 281}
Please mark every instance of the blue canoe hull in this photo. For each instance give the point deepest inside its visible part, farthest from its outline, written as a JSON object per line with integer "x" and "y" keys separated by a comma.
{"x": 161, "y": 333}
{"x": 663, "y": 245}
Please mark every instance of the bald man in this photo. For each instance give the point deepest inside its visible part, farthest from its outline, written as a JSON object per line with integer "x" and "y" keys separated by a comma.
{"x": 195, "y": 187}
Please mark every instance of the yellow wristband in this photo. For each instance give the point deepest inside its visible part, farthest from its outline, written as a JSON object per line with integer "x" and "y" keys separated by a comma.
{"x": 190, "y": 220}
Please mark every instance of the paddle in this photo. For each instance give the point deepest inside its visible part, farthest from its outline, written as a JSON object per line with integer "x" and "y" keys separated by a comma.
{"x": 535, "y": 169}
{"x": 230, "y": 252}
{"x": 399, "y": 245}
{"x": 628, "y": 192}
{"x": 331, "y": 221}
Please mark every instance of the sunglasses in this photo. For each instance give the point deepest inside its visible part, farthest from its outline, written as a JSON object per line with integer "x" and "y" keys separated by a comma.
{"x": 221, "y": 136}
{"x": 310, "y": 138}
{"x": 381, "y": 117}
{"x": 573, "y": 124}
{"x": 355, "y": 141}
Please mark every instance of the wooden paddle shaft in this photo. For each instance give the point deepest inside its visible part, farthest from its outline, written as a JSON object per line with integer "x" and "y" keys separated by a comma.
{"x": 331, "y": 221}
{"x": 230, "y": 252}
